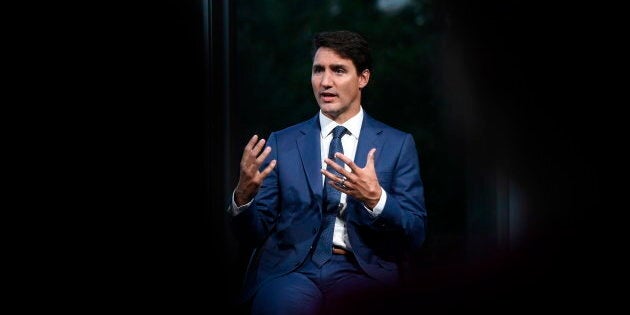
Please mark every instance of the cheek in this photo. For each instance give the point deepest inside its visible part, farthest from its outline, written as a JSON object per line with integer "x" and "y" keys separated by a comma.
{"x": 348, "y": 90}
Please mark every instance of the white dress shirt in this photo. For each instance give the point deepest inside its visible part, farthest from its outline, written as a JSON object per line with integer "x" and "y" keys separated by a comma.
{"x": 349, "y": 141}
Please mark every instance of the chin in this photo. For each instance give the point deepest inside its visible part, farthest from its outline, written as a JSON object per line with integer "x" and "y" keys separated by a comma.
{"x": 331, "y": 113}
{"x": 330, "y": 108}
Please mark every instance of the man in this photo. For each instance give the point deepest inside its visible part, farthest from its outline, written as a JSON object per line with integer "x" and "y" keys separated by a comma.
{"x": 332, "y": 205}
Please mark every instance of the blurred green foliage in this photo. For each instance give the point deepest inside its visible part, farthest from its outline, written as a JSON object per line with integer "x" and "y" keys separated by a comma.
{"x": 274, "y": 59}
{"x": 274, "y": 56}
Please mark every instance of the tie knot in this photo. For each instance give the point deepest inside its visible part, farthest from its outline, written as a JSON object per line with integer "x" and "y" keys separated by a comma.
{"x": 338, "y": 131}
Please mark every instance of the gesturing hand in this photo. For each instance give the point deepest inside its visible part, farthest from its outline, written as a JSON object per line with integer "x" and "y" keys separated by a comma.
{"x": 360, "y": 183}
{"x": 250, "y": 178}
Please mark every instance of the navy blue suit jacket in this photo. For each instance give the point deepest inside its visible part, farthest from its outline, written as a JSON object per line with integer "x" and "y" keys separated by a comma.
{"x": 284, "y": 218}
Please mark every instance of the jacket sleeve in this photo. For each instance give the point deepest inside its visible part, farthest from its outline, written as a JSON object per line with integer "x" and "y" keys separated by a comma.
{"x": 404, "y": 213}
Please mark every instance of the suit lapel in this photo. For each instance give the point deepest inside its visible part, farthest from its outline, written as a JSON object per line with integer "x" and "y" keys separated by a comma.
{"x": 368, "y": 139}
{"x": 310, "y": 153}
{"x": 309, "y": 146}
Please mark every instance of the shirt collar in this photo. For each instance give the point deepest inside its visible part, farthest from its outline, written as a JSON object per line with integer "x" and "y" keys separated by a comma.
{"x": 353, "y": 124}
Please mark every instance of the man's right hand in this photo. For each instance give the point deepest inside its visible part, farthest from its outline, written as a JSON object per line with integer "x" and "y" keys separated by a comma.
{"x": 250, "y": 177}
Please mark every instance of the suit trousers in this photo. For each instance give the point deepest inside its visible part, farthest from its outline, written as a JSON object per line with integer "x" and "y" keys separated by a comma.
{"x": 337, "y": 287}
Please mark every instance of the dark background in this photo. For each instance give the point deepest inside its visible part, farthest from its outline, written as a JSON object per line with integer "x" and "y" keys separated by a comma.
{"x": 166, "y": 96}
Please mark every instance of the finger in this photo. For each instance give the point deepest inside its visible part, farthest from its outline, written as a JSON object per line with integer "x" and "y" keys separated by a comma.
{"x": 370, "y": 158}
{"x": 268, "y": 169}
{"x": 335, "y": 185}
{"x": 330, "y": 175}
{"x": 258, "y": 146}
{"x": 263, "y": 156}
{"x": 337, "y": 167}
{"x": 345, "y": 185}
{"x": 348, "y": 161}
{"x": 247, "y": 151}
{"x": 250, "y": 144}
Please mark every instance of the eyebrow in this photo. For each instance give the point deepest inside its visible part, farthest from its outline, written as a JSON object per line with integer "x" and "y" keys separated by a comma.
{"x": 333, "y": 66}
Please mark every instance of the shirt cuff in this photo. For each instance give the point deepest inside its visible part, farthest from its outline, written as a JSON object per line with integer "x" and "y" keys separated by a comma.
{"x": 379, "y": 206}
{"x": 234, "y": 209}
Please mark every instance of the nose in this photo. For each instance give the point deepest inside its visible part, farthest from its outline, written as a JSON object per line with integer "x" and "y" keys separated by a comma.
{"x": 326, "y": 80}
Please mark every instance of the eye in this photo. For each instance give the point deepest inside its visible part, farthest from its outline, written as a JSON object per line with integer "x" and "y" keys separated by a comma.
{"x": 340, "y": 70}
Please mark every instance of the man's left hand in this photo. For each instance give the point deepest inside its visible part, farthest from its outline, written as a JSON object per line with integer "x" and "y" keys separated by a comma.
{"x": 360, "y": 183}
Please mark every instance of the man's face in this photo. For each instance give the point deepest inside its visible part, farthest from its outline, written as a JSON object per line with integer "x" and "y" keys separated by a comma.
{"x": 336, "y": 84}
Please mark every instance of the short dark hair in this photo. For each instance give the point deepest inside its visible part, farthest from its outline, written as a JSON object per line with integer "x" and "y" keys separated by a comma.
{"x": 347, "y": 45}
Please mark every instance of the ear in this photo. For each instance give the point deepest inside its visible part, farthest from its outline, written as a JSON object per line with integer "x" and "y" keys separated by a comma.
{"x": 364, "y": 78}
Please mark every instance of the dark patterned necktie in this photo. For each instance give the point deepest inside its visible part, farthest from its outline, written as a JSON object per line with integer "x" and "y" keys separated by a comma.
{"x": 332, "y": 197}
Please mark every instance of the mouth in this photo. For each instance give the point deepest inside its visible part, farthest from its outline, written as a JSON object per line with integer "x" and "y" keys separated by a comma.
{"x": 327, "y": 97}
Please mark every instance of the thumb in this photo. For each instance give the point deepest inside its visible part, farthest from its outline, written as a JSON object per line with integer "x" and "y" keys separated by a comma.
{"x": 370, "y": 158}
